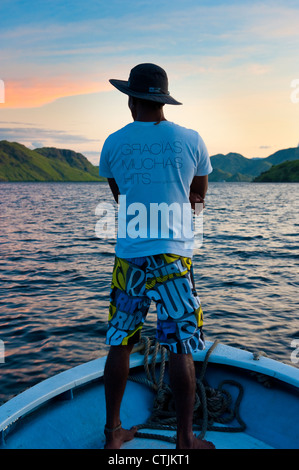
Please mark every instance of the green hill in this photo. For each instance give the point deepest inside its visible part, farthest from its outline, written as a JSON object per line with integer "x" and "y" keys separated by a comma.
{"x": 18, "y": 163}
{"x": 286, "y": 172}
{"x": 239, "y": 168}
{"x": 283, "y": 155}
{"x": 220, "y": 175}
{"x": 235, "y": 167}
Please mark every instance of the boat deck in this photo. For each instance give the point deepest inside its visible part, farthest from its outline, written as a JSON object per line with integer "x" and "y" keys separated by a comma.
{"x": 221, "y": 440}
{"x": 68, "y": 412}
{"x": 79, "y": 422}
{"x": 73, "y": 424}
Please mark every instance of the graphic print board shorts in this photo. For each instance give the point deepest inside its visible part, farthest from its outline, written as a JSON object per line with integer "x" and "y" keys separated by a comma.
{"x": 167, "y": 280}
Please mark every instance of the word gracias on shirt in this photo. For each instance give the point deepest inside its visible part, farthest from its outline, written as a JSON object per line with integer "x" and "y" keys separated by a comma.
{"x": 156, "y": 148}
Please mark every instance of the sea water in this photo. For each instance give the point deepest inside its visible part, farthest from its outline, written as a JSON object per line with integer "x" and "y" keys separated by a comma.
{"x": 55, "y": 275}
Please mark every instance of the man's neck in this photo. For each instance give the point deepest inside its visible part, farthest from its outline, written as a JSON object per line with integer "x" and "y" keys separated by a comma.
{"x": 149, "y": 117}
{"x": 143, "y": 114}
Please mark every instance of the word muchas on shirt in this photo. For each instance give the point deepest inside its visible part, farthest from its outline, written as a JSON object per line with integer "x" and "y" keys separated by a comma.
{"x": 138, "y": 171}
{"x": 151, "y": 163}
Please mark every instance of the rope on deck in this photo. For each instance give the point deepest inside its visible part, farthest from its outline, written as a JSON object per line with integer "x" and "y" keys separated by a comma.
{"x": 211, "y": 405}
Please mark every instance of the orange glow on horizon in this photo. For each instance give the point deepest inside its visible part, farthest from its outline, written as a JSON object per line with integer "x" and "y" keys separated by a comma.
{"x": 34, "y": 93}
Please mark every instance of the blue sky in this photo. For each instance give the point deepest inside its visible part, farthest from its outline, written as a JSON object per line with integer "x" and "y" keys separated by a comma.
{"x": 230, "y": 63}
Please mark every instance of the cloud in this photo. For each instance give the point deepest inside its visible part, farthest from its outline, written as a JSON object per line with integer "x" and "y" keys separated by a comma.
{"x": 36, "y": 137}
{"x": 35, "y": 145}
{"x": 17, "y": 123}
{"x": 258, "y": 69}
{"x": 49, "y": 137}
{"x": 58, "y": 56}
{"x": 274, "y": 21}
{"x": 230, "y": 63}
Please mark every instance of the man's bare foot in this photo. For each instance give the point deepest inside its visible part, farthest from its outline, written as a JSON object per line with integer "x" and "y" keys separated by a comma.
{"x": 115, "y": 439}
{"x": 196, "y": 443}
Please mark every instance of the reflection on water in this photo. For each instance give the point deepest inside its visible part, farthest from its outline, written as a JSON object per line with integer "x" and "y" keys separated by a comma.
{"x": 56, "y": 274}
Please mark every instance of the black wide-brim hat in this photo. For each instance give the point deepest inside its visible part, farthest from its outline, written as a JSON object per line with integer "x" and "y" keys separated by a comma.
{"x": 148, "y": 82}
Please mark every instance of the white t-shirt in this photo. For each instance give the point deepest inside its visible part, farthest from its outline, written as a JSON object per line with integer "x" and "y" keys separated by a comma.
{"x": 153, "y": 166}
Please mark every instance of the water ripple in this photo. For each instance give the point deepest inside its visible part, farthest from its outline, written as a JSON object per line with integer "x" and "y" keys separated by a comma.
{"x": 56, "y": 274}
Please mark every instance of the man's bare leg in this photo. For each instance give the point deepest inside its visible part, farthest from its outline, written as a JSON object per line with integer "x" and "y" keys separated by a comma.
{"x": 183, "y": 382}
{"x": 115, "y": 379}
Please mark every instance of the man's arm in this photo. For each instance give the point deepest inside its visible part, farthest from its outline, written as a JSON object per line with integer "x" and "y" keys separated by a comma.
{"x": 199, "y": 185}
{"x": 198, "y": 190}
{"x": 114, "y": 188}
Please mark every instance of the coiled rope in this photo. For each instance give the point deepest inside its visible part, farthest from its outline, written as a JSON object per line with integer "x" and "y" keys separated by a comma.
{"x": 211, "y": 405}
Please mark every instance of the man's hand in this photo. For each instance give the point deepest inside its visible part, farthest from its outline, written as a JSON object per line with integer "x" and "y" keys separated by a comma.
{"x": 195, "y": 198}
{"x": 198, "y": 191}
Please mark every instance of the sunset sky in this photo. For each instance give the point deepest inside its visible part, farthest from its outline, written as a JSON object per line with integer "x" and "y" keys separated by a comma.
{"x": 231, "y": 63}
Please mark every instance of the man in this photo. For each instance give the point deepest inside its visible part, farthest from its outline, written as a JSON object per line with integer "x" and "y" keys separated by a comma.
{"x": 153, "y": 165}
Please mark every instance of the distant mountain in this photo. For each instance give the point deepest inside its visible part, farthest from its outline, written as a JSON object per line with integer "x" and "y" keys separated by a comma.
{"x": 220, "y": 175}
{"x": 18, "y": 163}
{"x": 284, "y": 155}
{"x": 286, "y": 172}
{"x": 235, "y": 167}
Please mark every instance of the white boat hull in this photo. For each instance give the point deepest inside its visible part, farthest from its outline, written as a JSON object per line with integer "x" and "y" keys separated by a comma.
{"x": 67, "y": 411}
